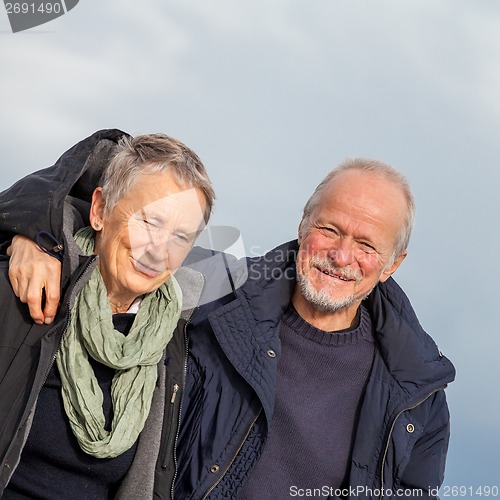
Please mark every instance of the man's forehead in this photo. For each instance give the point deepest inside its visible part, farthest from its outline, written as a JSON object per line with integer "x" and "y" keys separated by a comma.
{"x": 357, "y": 185}
{"x": 355, "y": 177}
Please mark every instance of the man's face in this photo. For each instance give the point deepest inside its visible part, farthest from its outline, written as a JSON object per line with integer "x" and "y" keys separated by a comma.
{"x": 346, "y": 245}
{"x": 147, "y": 234}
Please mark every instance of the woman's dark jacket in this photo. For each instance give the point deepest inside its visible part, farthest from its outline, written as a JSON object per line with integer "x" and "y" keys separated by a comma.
{"x": 221, "y": 369}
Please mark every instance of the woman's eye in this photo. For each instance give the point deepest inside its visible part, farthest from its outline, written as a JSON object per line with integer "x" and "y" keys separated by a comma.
{"x": 148, "y": 223}
{"x": 182, "y": 238}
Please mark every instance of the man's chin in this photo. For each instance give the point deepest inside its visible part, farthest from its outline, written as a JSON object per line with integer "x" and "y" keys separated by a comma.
{"x": 326, "y": 304}
{"x": 323, "y": 301}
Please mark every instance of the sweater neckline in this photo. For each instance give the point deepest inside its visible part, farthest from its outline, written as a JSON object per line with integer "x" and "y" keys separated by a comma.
{"x": 361, "y": 331}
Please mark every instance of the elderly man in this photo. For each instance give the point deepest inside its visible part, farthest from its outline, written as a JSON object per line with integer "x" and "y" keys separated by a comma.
{"x": 314, "y": 378}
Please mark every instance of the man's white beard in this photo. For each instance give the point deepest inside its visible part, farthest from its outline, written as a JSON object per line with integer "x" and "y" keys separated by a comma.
{"x": 321, "y": 300}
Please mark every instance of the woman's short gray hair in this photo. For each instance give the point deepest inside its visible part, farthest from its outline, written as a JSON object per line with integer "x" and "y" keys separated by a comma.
{"x": 376, "y": 167}
{"x": 149, "y": 154}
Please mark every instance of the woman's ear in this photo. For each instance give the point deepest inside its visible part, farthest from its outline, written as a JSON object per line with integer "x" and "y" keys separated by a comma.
{"x": 97, "y": 209}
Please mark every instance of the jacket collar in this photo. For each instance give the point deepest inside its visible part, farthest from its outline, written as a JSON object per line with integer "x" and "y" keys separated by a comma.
{"x": 191, "y": 283}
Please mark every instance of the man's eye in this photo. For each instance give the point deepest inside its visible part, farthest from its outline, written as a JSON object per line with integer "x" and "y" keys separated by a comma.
{"x": 367, "y": 247}
{"x": 329, "y": 230}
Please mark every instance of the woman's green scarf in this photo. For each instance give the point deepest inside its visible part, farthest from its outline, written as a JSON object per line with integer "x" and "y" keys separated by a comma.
{"x": 134, "y": 357}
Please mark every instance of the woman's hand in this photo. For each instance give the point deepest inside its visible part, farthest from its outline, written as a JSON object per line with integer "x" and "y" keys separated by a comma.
{"x": 35, "y": 278}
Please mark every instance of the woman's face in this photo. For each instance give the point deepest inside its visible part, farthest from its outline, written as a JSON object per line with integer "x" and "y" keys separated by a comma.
{"x": 147, "y": 234}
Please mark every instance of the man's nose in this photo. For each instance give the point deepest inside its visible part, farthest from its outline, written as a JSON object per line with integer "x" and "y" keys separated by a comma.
{"x": 341, "y": 254}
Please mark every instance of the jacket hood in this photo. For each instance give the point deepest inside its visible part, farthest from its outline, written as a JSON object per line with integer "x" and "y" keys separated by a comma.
{"x": 410, "y": 354}
{"x": 40, "y": 196}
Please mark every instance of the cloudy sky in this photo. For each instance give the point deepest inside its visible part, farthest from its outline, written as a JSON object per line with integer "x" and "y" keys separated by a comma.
{"x": 272, "y": 94}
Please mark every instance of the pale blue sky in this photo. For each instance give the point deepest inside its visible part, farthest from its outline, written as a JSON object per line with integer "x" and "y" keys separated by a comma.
{"x": 274, "y": 94}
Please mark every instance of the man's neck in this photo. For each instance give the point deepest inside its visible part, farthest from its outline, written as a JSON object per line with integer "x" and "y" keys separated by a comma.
{"x": 326, "y": 321}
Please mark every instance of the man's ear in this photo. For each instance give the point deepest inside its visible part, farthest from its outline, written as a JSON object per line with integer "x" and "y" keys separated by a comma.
{"x": 387, "y": 273}
{"x": 97, "y": 209}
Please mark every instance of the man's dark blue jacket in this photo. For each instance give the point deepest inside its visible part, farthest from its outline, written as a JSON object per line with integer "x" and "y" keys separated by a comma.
{"x": 234, "y": 349}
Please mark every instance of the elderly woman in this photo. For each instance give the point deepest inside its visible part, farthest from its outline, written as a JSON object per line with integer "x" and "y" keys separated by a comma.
{"x": 75, "y": 396}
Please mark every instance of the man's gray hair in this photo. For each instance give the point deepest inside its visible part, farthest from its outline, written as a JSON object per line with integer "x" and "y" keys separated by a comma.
{"x": 150, "y": 154}
{"x": 379, "y": 168}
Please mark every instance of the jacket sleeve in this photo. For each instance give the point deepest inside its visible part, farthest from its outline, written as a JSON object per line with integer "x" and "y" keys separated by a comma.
{"x": 37, "y": 202}
{"x": 425, "y": 469}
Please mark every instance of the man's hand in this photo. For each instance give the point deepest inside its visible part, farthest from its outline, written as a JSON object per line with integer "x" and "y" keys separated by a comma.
{"x": 33, "y": 272}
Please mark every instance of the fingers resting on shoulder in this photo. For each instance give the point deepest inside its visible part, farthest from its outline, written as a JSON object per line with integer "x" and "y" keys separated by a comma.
{"x": 35, "y": 278}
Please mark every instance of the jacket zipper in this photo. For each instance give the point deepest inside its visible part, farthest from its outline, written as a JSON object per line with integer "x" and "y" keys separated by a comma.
{"x": 184, "y": 371}
{"x": 68, "y": 319}
{"x": 175, "y": 390}
{"x": 234, "y": 456}
{"x": 390, "y": 434}
{"x": 64, "y": 330}
{"x": 173, "y": 397}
